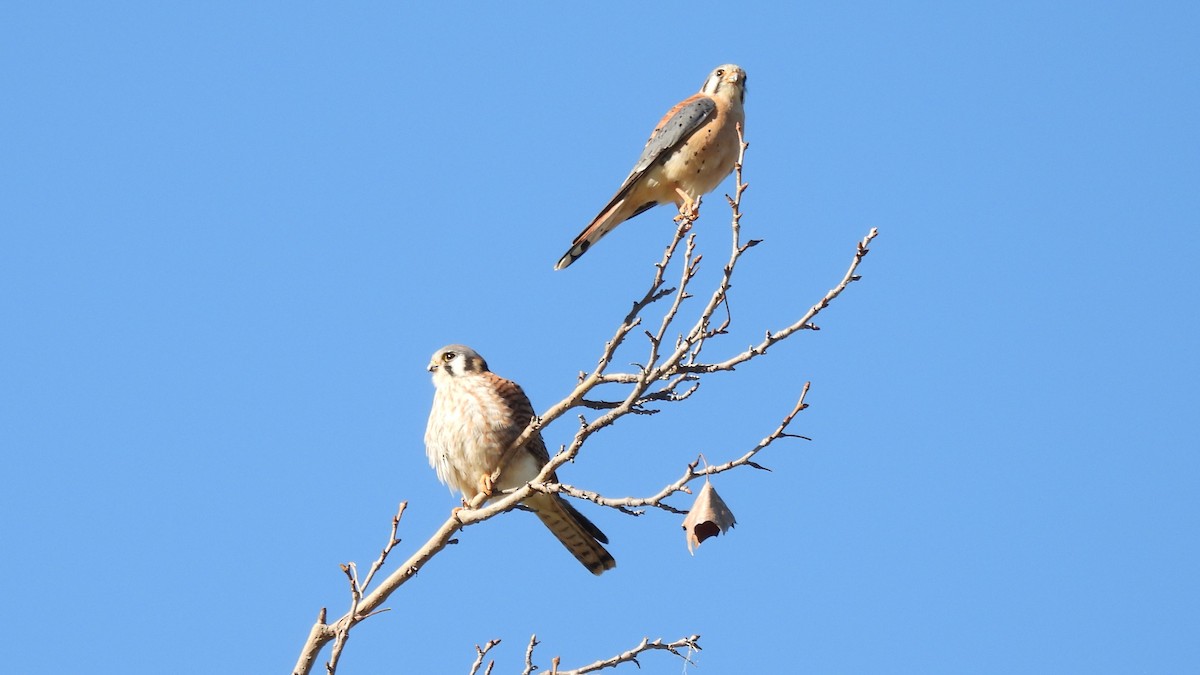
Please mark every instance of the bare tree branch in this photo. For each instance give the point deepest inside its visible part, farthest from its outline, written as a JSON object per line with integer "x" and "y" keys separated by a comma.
{"x": 628, "y": 504}
{"x": 480, "y": 653}
{"x": 392, "y": 541}
{"x": 670, "y": 371}
{"x": 692, "y": 643}
{"x": 529, "y": 655}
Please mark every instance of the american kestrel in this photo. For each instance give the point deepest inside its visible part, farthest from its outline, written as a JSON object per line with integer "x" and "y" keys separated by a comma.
{"x": 476, "y": 415}
{"x": 693, "y": 148}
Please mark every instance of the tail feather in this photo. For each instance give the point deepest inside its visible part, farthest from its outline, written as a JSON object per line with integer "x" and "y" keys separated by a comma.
{"x": 601, "y": 225}
{"x": 577, "y": 533}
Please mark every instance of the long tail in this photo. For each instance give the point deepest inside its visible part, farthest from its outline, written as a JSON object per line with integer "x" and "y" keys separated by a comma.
{"x": 601, "y": 225}
{"x": 617, "y": 212}
{"x": 576, "y": 532}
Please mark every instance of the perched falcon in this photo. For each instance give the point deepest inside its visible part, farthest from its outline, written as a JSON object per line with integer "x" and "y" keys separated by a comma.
{"x": 476, "y": 415}
{"x": 693, "y": 148}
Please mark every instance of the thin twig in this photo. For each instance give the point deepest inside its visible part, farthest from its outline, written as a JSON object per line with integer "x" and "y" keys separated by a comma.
{"x": 392, "y": 541}
{"x": 480, "y": 652}
{"x": 629, "y": 505}
{"x": 692, "y": 643}
{"x": 533, "y": 642}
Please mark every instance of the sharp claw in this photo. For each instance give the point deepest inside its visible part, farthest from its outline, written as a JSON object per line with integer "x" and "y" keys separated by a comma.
{"x": 485, "y": 484}
{"x": 687, "y": 208}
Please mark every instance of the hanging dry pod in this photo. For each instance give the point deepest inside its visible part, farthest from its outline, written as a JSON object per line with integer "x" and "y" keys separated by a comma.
{"x": 708, "y": 517}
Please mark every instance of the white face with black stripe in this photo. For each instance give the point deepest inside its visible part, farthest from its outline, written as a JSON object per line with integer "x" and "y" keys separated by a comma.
{"x": 728, "y": 80}
{"x": 455, "y": 360}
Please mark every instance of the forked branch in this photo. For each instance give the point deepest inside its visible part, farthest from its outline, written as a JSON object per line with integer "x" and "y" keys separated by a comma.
{"x": 671, "y": 370}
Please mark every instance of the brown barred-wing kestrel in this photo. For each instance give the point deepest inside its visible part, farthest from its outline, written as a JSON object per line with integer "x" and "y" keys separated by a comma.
{"x": 693, "y": 148}
{"x": 476, "y": 415}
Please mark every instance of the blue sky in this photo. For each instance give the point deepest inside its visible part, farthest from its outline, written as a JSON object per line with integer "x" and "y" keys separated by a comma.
{"x": 232, "y": 235}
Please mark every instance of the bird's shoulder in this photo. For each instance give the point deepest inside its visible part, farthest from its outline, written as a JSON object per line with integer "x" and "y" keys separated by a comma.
{"x": 691, "y": 110}
{"x": 508, "y": 391}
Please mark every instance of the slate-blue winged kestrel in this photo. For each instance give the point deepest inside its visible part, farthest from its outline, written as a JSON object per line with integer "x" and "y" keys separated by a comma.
{"x": 476, "y": 415}
{"x": 693, "y": 148}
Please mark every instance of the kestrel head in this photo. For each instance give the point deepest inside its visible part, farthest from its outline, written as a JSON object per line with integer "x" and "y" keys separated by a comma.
{"x": 455, "y": 360}
{"x": 728, "y": 80}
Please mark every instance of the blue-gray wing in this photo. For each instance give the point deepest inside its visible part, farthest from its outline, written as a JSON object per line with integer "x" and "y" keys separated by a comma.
{"x": 673, "y": 130}
{"x": 675, "y": 127}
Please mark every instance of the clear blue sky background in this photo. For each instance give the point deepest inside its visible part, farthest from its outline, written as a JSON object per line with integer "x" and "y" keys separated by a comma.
{"x": 231, "y": 234}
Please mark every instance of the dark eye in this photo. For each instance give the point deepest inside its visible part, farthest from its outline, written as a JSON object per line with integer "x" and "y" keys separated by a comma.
{"x": 720, "y": 72}
{"x": 448, "y": 356}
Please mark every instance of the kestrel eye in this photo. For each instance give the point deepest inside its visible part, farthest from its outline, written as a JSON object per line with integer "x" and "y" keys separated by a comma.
{"x": 448, "y": 356}
{"x": 720, "y": 72}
